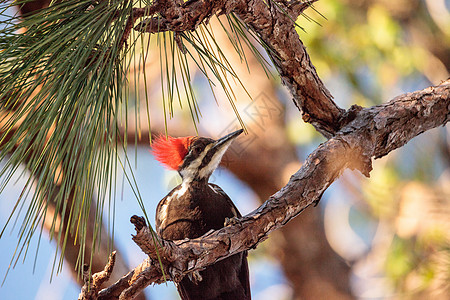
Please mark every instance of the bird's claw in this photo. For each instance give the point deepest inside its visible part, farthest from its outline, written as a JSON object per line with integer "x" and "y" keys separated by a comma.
{"x": 232, "y": 221}
{"x": 195, "y": 277}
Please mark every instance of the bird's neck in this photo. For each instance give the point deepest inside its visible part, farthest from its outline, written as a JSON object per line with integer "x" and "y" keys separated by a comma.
{"x": 193, "y": 178}
{"x": 190, "y": 181}
{"x": 190, "y": 185}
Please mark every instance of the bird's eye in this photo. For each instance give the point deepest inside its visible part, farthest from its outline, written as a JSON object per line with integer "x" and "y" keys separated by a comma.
{"x": 196, "y": 150}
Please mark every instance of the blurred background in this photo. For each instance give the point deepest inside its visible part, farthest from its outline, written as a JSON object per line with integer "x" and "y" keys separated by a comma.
{"x": 383, "y": 237}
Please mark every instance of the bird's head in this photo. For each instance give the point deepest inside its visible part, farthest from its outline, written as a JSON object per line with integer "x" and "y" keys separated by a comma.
{"x": 195, "y": 158}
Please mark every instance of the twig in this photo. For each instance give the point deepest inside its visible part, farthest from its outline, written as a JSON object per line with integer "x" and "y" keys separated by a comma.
{"x": 92, "y": 284}
{"x": 136, "y": 14}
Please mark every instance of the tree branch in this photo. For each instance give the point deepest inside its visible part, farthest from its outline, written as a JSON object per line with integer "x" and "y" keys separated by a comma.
{"x": 93, "y": 283}
{"x": 374, "y": 132}
{"x": 277, "y": 29}
{"x": 136, "y": 14}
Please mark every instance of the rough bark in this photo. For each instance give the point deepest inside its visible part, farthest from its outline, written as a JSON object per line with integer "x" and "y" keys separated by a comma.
{"x": 277, "y": 29}
{"x": 93, "y": 283}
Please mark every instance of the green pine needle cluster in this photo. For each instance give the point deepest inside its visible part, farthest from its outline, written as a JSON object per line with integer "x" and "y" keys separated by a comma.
{"x": 62, "y": 78}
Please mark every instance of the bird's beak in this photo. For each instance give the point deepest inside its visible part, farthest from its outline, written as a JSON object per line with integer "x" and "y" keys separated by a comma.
{"x": 226, "y": 140}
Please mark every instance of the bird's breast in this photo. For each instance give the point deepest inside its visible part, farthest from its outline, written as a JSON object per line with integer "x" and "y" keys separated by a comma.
{"x": 188, "y": 212}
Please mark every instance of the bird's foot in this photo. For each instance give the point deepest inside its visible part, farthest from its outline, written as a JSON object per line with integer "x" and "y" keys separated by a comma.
{"x": 195, "y": 277}
{"x": 232, "y": 221}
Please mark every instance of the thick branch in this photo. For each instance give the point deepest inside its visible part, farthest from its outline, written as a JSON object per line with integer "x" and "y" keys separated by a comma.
{"x": 185, "y": 16}
{"x": 374, "y": 132}
{"x": 277, "y": 30}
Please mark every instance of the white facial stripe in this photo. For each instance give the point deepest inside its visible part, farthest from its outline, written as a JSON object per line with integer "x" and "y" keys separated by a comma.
{"x": 188, "y": 173}
{"x": 215, "y": 160}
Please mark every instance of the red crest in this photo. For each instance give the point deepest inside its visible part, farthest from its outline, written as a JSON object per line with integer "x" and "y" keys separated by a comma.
{"x": 171, "y": 151}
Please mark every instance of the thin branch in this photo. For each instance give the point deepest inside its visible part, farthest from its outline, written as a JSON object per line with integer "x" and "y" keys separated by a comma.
{"x": 93, "y": 283}
{"x": 114, "y": 291}
{"x": 136, "y": 14}
{"x": 134, "y": 282}
{"x": 297, "y": 7}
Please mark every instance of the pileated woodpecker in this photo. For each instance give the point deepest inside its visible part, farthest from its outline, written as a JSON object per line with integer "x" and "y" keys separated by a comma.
{"x": 194, "y": 207}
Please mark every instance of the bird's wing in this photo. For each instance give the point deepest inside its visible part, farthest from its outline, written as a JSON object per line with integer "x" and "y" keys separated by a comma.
{"x": 218, "y": 190}
{"x": 244, "y": 276}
